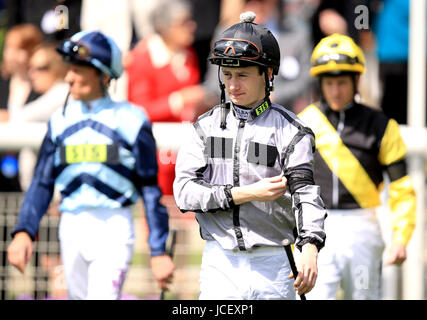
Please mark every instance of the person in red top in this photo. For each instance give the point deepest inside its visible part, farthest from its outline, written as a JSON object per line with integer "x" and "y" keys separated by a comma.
{"x": 163, "y": 74}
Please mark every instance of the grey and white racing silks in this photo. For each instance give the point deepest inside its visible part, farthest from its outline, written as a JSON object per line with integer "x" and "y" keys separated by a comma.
{"x": 272, "y": 140}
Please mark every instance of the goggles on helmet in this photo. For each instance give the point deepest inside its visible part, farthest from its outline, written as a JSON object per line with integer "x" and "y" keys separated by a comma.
{"x": 337, "y": 57}
{"x": 236, "y": 48}
{"x": 75, "y": 50}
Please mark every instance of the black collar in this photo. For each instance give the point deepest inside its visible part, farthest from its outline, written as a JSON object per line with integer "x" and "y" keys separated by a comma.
{"x": 327, "y": 109}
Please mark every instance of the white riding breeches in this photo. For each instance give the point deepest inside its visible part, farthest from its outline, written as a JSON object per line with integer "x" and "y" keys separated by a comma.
{"x": 96, "y": 251}
{"x": 351, "y": 258}
{"x": 256, "y": 274}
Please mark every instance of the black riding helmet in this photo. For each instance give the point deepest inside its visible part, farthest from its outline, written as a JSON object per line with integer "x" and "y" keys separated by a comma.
{"x": 246, "y": 44}
{"x": 94, "y": 49}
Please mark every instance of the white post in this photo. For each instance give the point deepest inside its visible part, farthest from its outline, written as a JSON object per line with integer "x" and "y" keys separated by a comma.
{"x": 413, "y": 269}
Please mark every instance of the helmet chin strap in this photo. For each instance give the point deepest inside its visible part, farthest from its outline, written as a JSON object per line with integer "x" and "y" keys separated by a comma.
{"x": 268, "y": 88}
{"x": 268, "y": 83}
{"x": 104, "y": 88}
{"x": 65, "y": 103}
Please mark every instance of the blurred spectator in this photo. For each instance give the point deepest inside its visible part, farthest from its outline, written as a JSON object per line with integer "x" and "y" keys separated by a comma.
{"x": 115, "y": 19}
{"x": 20, "y": 42}
{"x": 58, "y": 19}
{"x": 392, "y": 35}
{"x": 128, "y": 22}
{"x": 206, "y": 16}
{"x": 355, "y": 149}
{"x": 293, "y": 84}
{"x": 336, "y": 16}
{"x": 141, "y": 17}
{"x": 2, "y": 24}
{"x": 160, "y": 68}
{"x": 46, "y": 74}
{"x": 352, "y": 18}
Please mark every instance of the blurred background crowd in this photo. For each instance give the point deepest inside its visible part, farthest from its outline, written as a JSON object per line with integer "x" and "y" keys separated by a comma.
{"x": 165, "y": 44}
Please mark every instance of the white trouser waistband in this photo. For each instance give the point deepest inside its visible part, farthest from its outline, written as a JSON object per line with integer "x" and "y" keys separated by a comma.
{"x": 254, "y": 251}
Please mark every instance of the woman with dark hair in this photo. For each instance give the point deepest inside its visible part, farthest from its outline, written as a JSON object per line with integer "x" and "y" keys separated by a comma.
{"x": 20, "y": 42}
{"x": 161, "y": 69}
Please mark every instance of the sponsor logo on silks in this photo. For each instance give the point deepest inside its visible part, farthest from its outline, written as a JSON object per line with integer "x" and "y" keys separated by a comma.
{"x": 241, "y": 113}
{"x": 260, "y": 109}
{"x": 230, "y": 63}
{"x": 89, "y": 153}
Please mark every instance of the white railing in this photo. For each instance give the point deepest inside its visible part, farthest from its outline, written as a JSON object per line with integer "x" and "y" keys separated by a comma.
{"x": 15, "y": 136}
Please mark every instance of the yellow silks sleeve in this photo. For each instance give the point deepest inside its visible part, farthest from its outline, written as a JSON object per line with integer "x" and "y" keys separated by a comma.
{"x": 402, "y": 199}
{"x": 392, "y": 147}
{"x": 402, "y": 202}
